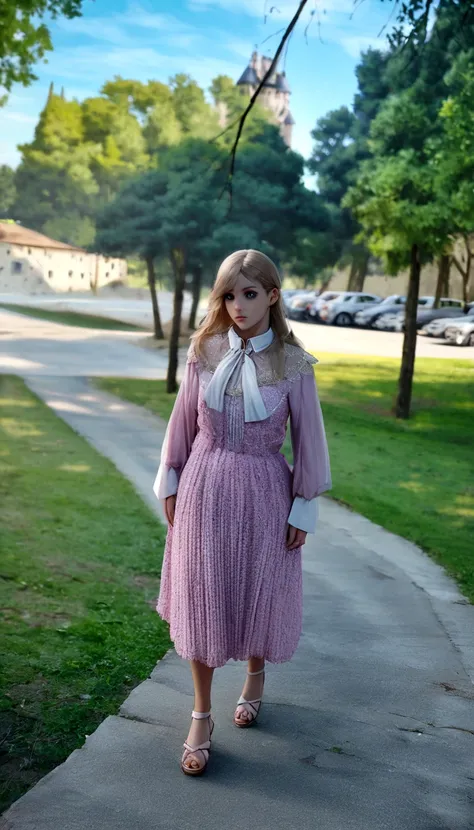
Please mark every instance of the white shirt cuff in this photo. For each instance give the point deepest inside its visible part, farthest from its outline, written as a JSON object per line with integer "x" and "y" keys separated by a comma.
{"x": 304, "y": 514}
{"x": 166, "y": 482}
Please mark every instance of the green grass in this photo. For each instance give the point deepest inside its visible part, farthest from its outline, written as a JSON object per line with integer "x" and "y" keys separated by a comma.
{"x": 414, "y": 477}
{"x": 79, "y": 575}
{"x": 71, "y": 318}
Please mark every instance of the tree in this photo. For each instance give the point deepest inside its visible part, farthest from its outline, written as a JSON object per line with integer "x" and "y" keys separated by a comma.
{"x": 395, "y": 202}
{"x": 195, "y": 116}
{"x": 340, "y": 147}
{"x": 7, "y": 191}
{"x": 230, "y": 101}
{"x": 312, "y": 254}
{"x": 453, "y": 160}
{"x": 127, "y": 226}
{"x": 80, "y": 155}
{"x": 24, "y": 39}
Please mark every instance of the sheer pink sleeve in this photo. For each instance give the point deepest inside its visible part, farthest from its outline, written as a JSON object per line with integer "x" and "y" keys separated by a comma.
{"x": 311, "y": 467}
{"x": 180, "y": 434}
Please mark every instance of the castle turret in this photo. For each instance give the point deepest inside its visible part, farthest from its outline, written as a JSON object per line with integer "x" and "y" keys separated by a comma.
{"x": 275, "y": 94}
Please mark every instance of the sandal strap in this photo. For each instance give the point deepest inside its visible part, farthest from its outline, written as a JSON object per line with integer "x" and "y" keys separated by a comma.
{"x": 199, "y": 715}
{"x": 241, "y": 702}
{"x": 252, "y": 673}
{"x": 189, "y": 752}
{"x": 204, "y": 747}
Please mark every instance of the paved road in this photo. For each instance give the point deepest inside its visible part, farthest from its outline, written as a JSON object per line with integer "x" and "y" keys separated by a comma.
{"x": 37, "y": 347}
{"x": 314, "y": 337}
{"x": 321, "y": 338}
{"x": 369, "y": 727}
{"x": 132, "y": 306}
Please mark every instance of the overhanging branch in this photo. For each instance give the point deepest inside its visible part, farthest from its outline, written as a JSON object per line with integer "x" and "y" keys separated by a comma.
{"x": 268, "y": 74}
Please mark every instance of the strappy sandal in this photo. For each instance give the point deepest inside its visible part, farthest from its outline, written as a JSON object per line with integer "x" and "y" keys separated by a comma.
{"x": 251, "y": 706}
{"x": 204, "y": 748}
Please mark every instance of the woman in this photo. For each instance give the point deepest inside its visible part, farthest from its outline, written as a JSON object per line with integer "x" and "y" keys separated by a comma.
{"x": 238, "y": 515}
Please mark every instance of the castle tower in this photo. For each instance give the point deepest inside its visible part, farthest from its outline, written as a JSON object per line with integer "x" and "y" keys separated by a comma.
{"x": 274, "y": 96}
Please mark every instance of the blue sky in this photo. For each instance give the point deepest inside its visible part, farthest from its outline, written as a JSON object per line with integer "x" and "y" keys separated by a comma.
{"x": 204, "y": 38}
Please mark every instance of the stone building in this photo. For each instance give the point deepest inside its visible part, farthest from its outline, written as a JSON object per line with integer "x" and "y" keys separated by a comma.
{"x": 31, "y": 263}
{"x": 274, "y": 96}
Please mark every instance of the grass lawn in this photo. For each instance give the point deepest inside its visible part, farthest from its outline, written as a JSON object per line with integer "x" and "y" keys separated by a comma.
{"x": 71, "y": 318}
{"x": 79, "y": 576}
{"x": 415, "y": 477}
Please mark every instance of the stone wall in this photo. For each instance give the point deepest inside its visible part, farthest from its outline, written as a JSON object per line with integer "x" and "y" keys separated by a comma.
{"x": 34, "y": 270}
{"x": 384, "y": 285}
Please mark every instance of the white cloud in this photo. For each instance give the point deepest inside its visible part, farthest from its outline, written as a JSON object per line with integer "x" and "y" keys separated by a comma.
{"x": 355, "y": 44}
{"x": 116, "y": 27}
{"x": 88, "y": 66}
{"x": 19, "y": 116}
{"x": 243, "y": 48}
{"x": 99, "y": 28}
{"x": 272, "y": 9}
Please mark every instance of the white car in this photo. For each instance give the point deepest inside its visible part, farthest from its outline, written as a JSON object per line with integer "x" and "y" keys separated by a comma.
{"x": 462, "y": 334}
{"x": 437, "y": 328}
{"x": 325, "y": 297}
{"x": 342, "y": 309}
{"x": 391, "y": 321}
{"x": 297, "y": 307}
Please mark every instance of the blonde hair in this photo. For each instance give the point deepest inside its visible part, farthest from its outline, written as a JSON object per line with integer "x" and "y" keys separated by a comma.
{"x": 253, "y": 265}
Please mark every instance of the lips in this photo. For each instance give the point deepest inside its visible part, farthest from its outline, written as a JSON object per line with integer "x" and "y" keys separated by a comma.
{"x": 240, "y": 318}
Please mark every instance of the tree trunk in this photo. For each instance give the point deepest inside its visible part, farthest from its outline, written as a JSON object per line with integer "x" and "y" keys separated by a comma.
{"x": 405, "y": 382}
{"x": 179, "y": 270}
{"x": 442, "y": 283}
{"x": 358, "y": 272}
{"x": 361, "y": 273}
{"x": 467, "y": 276}
{"x": 465, "y": 272}
{"x": 466, "y": 279}
{"x": 154, "y": 300}
{"x": 197, "y": 278}
{"x": 94, "y": 283}
{"x": 352, "y": 274}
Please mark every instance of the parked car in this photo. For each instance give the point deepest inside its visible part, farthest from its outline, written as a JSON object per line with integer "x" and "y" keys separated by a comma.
{"x": 288, "y": 293}
{"x": 461, "y": 333}
{"x": 425, "y": 313}
{"x": 342, "y": 309}
{"x": 298, "y": 306}
{"x": 324, "y": 297}
{"x": 438, "y": 326}
{"x": 390, "y": 321}
{"x": 368, "y": 316}
{"x": 447, "y": 308}
{"x": 390, "y": 305}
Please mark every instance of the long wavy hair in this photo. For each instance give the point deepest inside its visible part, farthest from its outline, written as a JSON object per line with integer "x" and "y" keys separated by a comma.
{"x": 254, "y": 266}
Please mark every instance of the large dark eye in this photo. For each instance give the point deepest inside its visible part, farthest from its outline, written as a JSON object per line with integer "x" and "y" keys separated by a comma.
{"x": 250, "y": 295}
{"x": 228, "y": 296}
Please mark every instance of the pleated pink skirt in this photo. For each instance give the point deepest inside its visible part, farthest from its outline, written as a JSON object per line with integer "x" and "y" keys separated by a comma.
{"x": 230, "y": 589}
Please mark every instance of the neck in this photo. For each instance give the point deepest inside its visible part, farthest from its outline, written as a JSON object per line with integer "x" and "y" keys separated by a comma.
{"x": 259, "y": 328}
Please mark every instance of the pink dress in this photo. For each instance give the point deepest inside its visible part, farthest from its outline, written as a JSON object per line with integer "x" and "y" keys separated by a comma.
{"x": 230, "y": 589}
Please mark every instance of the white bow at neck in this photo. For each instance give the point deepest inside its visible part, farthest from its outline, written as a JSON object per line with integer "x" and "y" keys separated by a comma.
{"x": 238, "y": 357}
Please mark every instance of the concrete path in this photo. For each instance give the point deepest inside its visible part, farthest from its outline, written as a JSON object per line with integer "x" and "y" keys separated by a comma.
{"x": 39, "y": 347}
{"x": 369, "y": 727}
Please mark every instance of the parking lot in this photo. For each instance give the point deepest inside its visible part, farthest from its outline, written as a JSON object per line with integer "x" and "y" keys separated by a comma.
{"x": 323, "y": 338}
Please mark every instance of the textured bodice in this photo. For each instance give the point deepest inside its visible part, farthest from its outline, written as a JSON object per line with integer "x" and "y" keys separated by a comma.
{"x": 275, "y": 375}
{"x": 228, "y": 429}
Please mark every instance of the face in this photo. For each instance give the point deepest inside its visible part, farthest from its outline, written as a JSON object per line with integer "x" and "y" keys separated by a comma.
{"x": 248, "y": 304}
